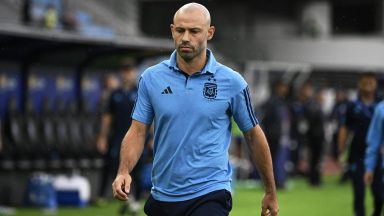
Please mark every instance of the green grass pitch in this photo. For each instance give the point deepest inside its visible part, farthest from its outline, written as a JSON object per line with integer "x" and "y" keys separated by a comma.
{"x": 299, "y": 200}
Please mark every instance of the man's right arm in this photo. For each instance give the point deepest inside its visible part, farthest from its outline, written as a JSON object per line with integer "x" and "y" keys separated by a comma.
{"x": 131, "y": 149}
{"x": 342, "y": 139}
{"x": 261, "y": 155}
{"x": 343, "y": 133}
{"x": 102, "y": 143}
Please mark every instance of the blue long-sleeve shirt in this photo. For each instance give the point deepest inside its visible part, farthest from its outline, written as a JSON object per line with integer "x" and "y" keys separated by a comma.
{"x": 375, "y": 138}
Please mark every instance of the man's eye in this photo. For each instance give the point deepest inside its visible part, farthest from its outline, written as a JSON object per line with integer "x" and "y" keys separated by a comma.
{"x": 194, "y": 31}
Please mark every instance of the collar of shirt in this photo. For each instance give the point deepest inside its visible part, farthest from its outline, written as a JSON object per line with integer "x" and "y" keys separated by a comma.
{"x": 210, "y": 66}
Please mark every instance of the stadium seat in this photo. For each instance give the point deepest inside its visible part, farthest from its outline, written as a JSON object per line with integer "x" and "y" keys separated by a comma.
{"x": 78, "y": 149}
{"x": 17, "y": 136}
{"x": 90, "y": 126}
{"x": 64, "y": 145}
{"x": 49, "y": 135}
{"x": 34, "y": 136}
{"x": 6, "y": 160}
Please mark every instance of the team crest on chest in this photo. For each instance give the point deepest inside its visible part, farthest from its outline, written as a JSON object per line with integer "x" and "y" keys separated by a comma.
{"x": 210, "y": 88}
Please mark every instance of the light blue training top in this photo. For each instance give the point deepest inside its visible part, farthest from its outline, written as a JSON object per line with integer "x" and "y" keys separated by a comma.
{"x": 192, "y": 121}
{"x": 375, "y": 138}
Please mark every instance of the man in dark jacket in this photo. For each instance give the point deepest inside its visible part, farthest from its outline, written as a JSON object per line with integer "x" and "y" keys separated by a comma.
{"x": 276, "y": 122}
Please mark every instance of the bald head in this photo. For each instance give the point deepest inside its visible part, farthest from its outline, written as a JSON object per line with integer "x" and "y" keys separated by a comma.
{"x": 191, "y": 30}
{"x": 194, "y": 8}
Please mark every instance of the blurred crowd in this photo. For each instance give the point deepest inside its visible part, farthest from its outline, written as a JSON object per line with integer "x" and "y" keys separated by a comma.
{"x": 61, "y": 15}
{"x": 307, "y": 141}
{"x": 303, "y": 136}
{"x": 48, "y": 14}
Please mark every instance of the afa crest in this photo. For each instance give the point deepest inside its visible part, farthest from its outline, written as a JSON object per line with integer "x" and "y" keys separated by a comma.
{"x": 210, "y": 90}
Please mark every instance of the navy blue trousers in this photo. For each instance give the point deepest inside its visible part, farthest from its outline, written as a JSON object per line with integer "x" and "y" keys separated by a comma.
{"x": 357, "y": 177}
{"x": 217, "y": 203}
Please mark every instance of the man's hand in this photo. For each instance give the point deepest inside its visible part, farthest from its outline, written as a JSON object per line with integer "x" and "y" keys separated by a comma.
{"x": 102, "y": 145}
{"x": 341, "y": 158}
{"x": 269, "y": 205}
{"x": 121, "y": 186}
{"x": 368, "y": 178}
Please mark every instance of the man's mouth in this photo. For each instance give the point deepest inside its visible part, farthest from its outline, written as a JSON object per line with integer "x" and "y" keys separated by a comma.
{"x": 185, "y": 48}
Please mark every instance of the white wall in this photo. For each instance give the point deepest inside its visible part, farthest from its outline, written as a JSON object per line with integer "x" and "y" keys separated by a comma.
{"x": 363, "y": 53}
{"x": 271, "y": 38}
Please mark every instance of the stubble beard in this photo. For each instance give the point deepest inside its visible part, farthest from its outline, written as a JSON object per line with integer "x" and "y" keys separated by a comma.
{"x": 188, "y": 57}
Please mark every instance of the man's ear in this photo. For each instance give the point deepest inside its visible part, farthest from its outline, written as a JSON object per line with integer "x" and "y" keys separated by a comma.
{"x": 211, "y": 32}
{"x": 171, "y": 27}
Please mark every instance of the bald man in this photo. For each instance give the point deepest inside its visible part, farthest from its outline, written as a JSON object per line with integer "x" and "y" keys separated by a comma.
{"x": 191, "y": 99}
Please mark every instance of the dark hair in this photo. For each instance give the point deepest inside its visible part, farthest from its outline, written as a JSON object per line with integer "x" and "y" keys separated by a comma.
{"x": 127, "y": 64}
{"x": 277, "y": 83}
{"x": 367, "y": 75}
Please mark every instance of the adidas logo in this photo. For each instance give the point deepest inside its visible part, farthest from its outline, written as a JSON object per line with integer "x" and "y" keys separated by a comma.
{"x": 168, "y": 90}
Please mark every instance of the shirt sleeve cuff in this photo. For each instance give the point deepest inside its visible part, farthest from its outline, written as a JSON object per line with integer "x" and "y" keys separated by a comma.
{"x": 248, "y": 127}
{"x": 141, "y": 119}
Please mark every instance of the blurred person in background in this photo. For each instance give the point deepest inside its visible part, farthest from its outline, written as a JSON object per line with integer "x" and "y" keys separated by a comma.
{"x": 68, "y": 17}
{"x": 315, "y": 133}
{"x": 51, "y": 17}
{"x": 299, "y": 127}
{"x": 276, "y": 122}
{"x": 352, "y": 136}
{"x": 109, "y": 83}
{"x": 239, "y": 160}
{"x": 191, "y": 99}
{"x": 308, "y": 126}
{"x": 242, "y": 168}
{"x": 338, "y": 112}
{"x": 26, "y": 12}
{"x": 116, "y": 119}
{"x": 237, "y": 140}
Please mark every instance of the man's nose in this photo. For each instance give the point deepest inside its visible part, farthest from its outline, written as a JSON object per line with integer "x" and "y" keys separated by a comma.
{"x": 186, "y": 36}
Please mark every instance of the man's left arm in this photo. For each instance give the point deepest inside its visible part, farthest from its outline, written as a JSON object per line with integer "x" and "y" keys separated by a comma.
{"x": 374, "y": 140}
{"x": 261, "y": 155}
